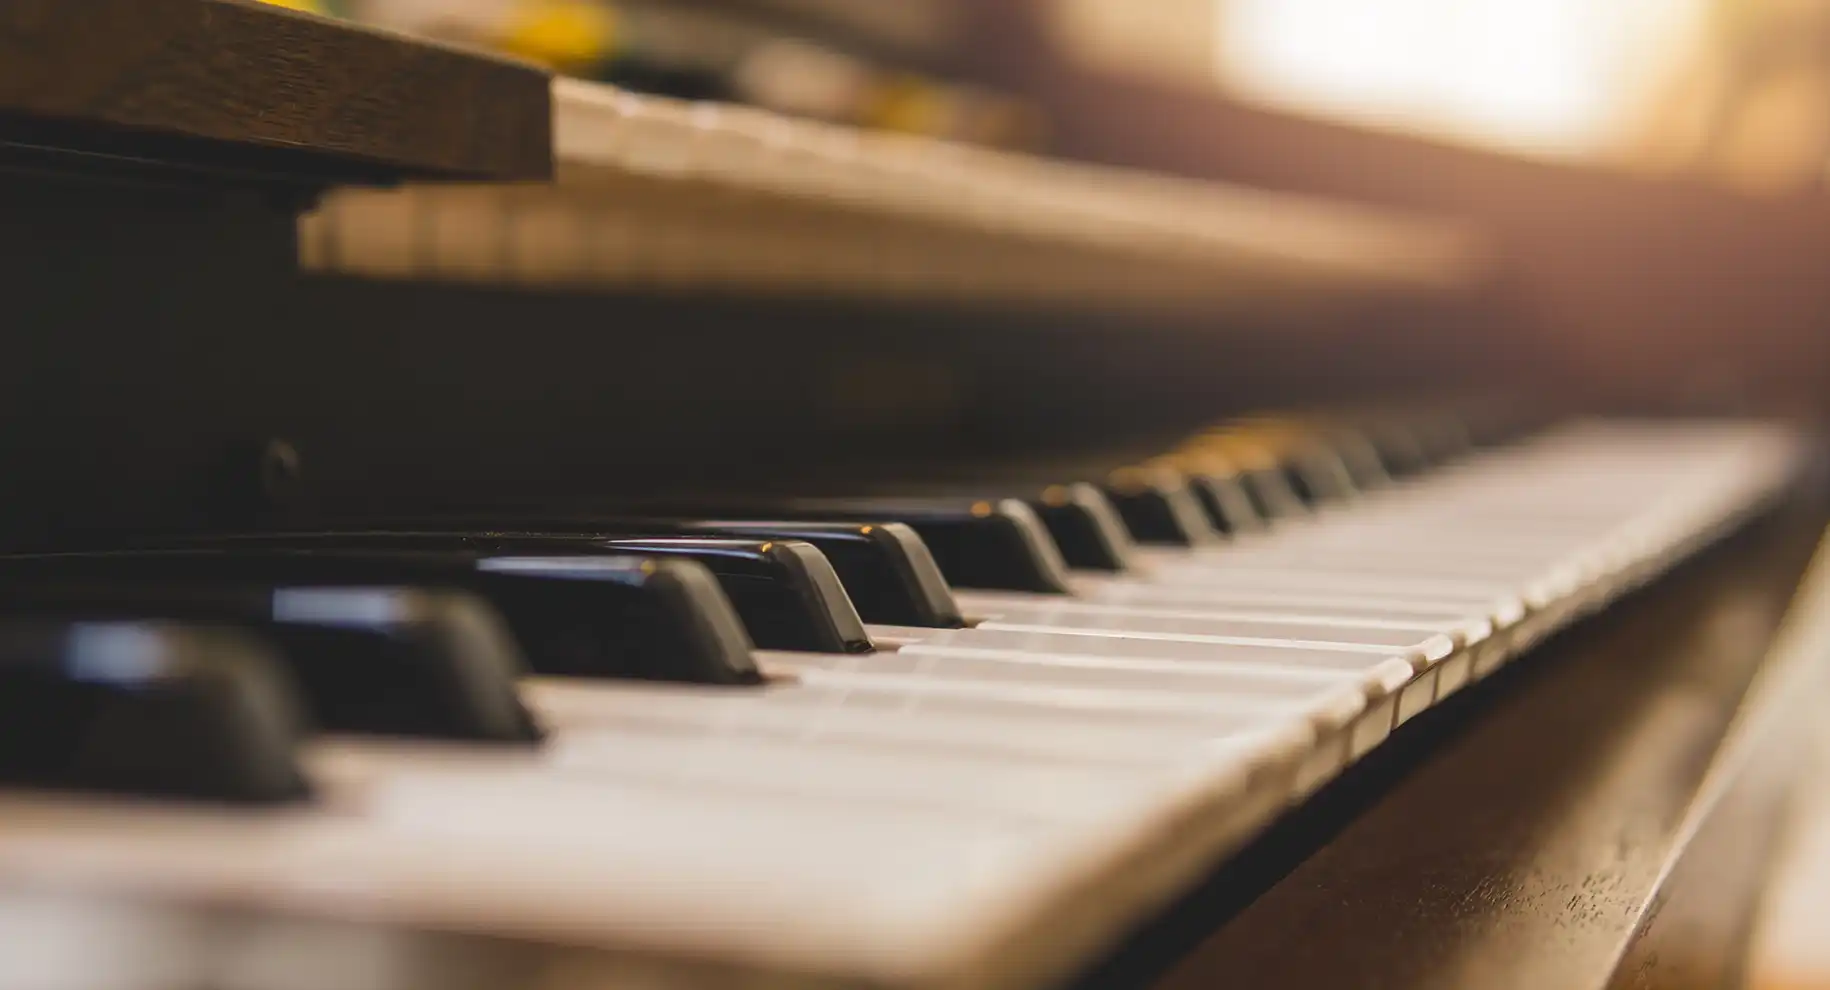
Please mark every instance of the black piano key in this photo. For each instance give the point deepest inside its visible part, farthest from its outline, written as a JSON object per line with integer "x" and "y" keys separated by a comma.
{"x": 395, "y": 661}
{"x": 1158, "y": 508}
{"x": 991, "y": 544}
{"x": 147, "y": 709}
{"x": 1438, "y": 439}
{"x": 886, "y": 567}
{"x": 1316, "y": 474}
{"x": 1086, "y": 527}
{"x": 1448, "y": 437}
{"x": 1359, "y": 457}
{"x": 610, "y": 616}
{"x": 1226, "y": 503}
{"x": 785, "y": 591}
{"x": 1269, "y": 489}
{"x": 1400, "y": 452}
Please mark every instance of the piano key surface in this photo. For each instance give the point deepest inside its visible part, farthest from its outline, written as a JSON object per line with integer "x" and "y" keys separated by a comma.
{"x": 1141, "y": 721}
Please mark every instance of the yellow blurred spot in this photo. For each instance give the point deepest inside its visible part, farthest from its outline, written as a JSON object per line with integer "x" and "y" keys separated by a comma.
{"x": 909, "y": 105}
{"x": 567, "y": 35}
{"x": 1055, "y": 495}
{"x": 1130, "y": 480}
{"x": 647, "y": 567}
{"x": 981, "y": 509}
{"x": 308, "y": 6}
{"x": 866, "y": 530}
{"x": 765, "y": 548}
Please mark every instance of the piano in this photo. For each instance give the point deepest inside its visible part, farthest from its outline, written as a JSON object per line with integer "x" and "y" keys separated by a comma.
{"x": 467, "y": 529}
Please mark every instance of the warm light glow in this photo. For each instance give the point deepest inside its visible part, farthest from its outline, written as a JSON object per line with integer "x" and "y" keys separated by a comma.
{"x": 1558, "y": 76}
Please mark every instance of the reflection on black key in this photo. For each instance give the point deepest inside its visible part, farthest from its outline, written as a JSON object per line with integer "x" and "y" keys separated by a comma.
{"x": 784, "y": 590}
{"x": 395, "y": 661}
{"x": 1359, "y": 457}
{"x": 1400, "y": 452}
{"x": 992, "y": 544}
{"x": 1431, "y": 440}
{"x": 147, "y": 709}
{"x": 618, "y": 617}
{"x": 1086, "y": 527}
{"x": 1226, "y": 502}
{"x": 1317, "y": 475}
{"x": 1269, "y": 490}
{"x": 886, "y": 568}
{"x": 1158, "y": 508}
{"x": 987, "y": 543}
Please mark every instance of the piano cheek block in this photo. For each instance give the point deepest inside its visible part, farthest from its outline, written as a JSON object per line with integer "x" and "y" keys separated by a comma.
{"x": 147, "y": 709}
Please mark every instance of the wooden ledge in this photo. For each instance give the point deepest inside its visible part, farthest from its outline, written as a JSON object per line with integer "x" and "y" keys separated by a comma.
{"x": 254, "y": 89}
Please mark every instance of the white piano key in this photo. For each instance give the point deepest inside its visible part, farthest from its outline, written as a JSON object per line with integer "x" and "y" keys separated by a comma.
{"x": 767, "y": 768}
{"x": 865, "y": 715}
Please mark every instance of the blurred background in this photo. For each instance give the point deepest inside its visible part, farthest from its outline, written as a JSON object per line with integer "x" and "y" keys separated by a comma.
{"x": 1651, "y": 171}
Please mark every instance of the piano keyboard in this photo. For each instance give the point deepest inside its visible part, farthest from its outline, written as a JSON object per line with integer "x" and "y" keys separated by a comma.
{"x": 985, "y": 792}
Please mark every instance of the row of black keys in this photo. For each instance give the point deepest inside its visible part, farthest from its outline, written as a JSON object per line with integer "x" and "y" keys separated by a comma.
{"x": 192, "y": 666}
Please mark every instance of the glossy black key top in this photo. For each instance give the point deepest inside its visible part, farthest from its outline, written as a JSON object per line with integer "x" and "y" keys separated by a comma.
{"x": 1429, "y": 440}
{"x": 1217, "y": 486}
{"x": 1158, "y": 508}
{"x": 1086, "y": 528}
{"x": 886, "y": 567}
{"x": 617, "y": 617}
{"x": 1400, "y": 452}
{"x": 785, "y": 591}
{"x": 424, "y": 662}
{"x": 1269, "y": 490}
{"x": 147, "y": 709}
{"x": 1226, "y": 502}
{"x": 991, "y": 544}
{"x": 1359, "y": 457}
{"x": 1317, "y": 475}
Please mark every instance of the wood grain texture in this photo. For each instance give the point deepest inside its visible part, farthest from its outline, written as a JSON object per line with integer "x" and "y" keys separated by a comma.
{"x": 197, "y": 77}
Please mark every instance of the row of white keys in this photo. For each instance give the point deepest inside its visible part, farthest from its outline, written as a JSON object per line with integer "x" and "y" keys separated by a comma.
{"x": 1295, "y": 586}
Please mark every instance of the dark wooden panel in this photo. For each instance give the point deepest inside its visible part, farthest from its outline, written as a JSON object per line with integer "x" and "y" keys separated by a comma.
{"x": 259, "y": 87}
{"x": 401, "y": 397}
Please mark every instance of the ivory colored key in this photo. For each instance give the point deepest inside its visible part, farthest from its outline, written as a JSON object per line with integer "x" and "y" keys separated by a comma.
{"x": 1428, "y": 646}
{"x": 979, "y": 784}
{"x": 865, "y": 712}
{"x": 1351, "y": 690}
{"x": 1479, "y": 631}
